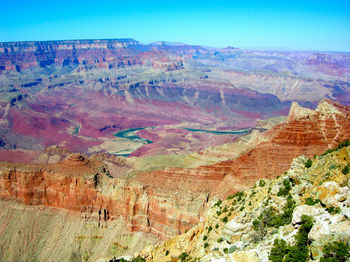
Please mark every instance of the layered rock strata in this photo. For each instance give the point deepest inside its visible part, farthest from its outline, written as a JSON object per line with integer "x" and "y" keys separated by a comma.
{"x": 306, "y": 132}
{"x": 244, "y": 226}
{"x": 85, "y": 185}
{"x": 168, "y": 202}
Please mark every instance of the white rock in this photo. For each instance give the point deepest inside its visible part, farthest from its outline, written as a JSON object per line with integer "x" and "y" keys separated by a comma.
{"x": 297, "y": 112}
{"x": 346, "y": 212}
{"x": 233, "y": 231}
{"x": 319, "y": 230}
{"x": 299, "y": 211}
{"x": 325, "y": 109}
{"x": 337, "y": 218}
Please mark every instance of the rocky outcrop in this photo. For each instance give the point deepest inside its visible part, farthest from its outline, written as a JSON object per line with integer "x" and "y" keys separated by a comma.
{"x": 84, "y": 185}
{"x": 307, "y": 132}
{"x": 244, "y": 226}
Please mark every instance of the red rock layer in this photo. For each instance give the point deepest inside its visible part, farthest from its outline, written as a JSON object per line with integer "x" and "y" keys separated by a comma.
{"x": 306, "y": 133}
{"x": 82, "y": 185}
{"x": 171, "y": 201}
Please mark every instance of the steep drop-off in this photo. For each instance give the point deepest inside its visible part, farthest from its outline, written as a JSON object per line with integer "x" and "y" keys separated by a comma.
{"x": 86, "y": 186}
{"x": 306, "y": 132}
{"x": 306, "y": 210}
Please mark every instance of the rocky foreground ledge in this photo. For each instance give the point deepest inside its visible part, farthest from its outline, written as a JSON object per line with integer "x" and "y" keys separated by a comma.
{"x": 303, "y": 215}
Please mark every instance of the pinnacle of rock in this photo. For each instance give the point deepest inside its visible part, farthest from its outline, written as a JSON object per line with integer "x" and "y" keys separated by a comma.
{"x": 297, "y": 112}
{"x": 76, "y": 160}
{"x": 327, "y": 109}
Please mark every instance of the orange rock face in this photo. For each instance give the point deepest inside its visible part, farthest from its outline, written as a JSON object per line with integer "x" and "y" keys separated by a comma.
{"x": 82, "y": 185}
{"x": 167, "y": 202}
{"x": 307, "y": 132}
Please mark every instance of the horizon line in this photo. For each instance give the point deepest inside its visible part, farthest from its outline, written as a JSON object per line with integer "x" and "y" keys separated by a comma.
{"x": 277, "y": 49}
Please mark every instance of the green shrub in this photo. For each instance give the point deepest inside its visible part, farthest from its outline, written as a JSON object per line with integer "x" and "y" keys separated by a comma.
{"x": 344, "y": 144}
{"x": 340, "y": 146}
{"x": 262, "y": 183}
{"x": 210, "y": 229}
{"x": 217, "y": 226}
{"x": 220, "y": 240}
{"x": 242, "y": 208}
{"x": 308, "y": 163}
{"x": 284, "y": 191}
{"x": 239, "y": 196}
{"x": 268, "y": 218}
{"x": 183, "y": 256}
{"x": 205, "y": 238}
{"x": 230, "y": 197}
{"x": 218, "y": 203}
{"x": 167, "y": 253}
{"x": 225, "y": 250}
{"x": 345, "y": 170}
{"x": 139, "y": 259}
{"x": 225, "y": 219}
{"x": 310, "y": 201}
{"x": 206, "y": 245}
{"x": 257, "y": 224}
{"x": 336, "y": 251}
{"x": 333, "y": 211}
{"x": 328, "y": 151}
{"x": 297, "y": 253}
{"x": 279, "y": 250}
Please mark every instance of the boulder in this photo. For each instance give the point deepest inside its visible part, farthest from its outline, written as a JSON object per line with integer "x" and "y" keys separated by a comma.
{"x": 313, "y": 211}
{"x": 233, "y": 230}
{"x": 326, "y": 191}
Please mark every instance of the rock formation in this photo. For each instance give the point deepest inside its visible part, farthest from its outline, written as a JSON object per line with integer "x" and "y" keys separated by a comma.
{"x": 85, "y": 185}
{"x": 168, "y": 202}
{"x": 247, "y": 225}
{"x": 306, "y": 132}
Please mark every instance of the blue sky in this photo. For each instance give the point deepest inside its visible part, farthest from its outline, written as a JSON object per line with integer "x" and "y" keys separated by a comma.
{"x": 295, "y": 25}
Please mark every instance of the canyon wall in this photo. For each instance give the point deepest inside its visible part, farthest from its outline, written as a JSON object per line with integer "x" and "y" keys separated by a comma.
{"x": 306, "y": 132}
{"x": 168, "y": 202}
{"x": 32, "y": 233}
{"x": 85, "y": 186}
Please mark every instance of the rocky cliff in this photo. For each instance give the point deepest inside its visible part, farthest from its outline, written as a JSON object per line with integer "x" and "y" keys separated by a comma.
{"x": 306, "y": 132}
{"x": 302, "y": 215}
{"x": 104, "y": 53}
{"x": 38, "y": 233}
{"x": 85, "y": 185}
{"x": 167, "y": 202}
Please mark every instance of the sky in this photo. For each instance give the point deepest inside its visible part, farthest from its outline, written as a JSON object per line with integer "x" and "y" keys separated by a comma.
{"x": 292, "y": 25}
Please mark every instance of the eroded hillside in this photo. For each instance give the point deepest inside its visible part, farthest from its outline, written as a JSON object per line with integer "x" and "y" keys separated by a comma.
{"x": 302, "y": 215}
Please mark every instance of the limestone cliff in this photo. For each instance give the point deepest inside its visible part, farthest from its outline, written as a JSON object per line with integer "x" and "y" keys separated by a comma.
{"x": 244, "y": 226}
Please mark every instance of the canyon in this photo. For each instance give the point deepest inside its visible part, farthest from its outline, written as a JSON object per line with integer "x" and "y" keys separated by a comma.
{"x": 79, "y": 93}
{"x": 125, "y": 144}
{"x": 167, "y": 202}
